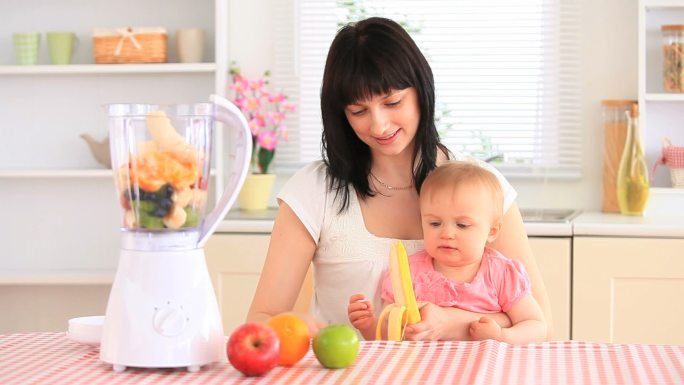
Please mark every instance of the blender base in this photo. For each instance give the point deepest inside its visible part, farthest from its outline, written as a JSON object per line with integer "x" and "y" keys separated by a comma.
{"x": 162, "y": 312}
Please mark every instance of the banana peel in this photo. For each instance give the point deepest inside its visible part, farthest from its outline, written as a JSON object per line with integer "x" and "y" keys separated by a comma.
{"x": 404, "y": 311}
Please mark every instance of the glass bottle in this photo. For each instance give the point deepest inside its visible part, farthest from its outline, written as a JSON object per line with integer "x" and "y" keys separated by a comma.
{"x": 632, "y": 182}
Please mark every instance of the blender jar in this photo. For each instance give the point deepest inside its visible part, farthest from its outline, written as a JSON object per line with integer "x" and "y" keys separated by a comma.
{"x": 161, "y": 162}
{"x": 673, "y": 52}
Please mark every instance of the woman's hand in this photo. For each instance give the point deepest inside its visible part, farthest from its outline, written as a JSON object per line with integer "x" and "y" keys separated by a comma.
{"x": 433, "y": 325}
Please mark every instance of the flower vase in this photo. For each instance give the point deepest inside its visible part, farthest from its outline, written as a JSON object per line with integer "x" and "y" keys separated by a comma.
{"x": 256, "y": 192}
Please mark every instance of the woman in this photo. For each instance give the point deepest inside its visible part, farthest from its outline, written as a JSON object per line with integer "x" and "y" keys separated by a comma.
{"x": 342, "y": 213}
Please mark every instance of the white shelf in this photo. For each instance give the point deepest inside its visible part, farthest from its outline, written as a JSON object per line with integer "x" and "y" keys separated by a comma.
{"x": 57, "y": 277}
{"x": 81, "y": 69}
{"x": 654, "y": 4}
{"x": 663, "y": 97}
{"x": 62, "y": 173}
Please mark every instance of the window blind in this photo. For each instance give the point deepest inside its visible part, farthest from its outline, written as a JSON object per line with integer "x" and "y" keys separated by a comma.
{"x": 506, "y": 76}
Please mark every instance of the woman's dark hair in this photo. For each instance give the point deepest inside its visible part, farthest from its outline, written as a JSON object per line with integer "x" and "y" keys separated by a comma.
{"x": 369, "y": 58}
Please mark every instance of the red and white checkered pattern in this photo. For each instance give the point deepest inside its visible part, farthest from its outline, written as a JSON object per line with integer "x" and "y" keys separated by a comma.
{"x": 673, "y": 156}
{"x": 50, "y": 358}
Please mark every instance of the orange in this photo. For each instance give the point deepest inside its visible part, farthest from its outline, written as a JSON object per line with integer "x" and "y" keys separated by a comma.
{"x": 294, "y": 337}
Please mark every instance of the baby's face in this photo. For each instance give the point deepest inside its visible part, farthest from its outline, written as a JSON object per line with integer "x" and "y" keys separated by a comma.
{"x": 457, "y": 223}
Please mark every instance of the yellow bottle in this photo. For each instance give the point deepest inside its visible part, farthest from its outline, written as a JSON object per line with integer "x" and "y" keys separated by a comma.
{"x": 632, "y": 180}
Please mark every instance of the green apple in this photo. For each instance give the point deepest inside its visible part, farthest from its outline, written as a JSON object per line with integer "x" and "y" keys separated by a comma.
{"x": 336, "y": 346}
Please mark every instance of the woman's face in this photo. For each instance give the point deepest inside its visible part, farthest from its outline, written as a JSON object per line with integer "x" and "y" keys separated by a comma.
{"x": 386, "y": 123}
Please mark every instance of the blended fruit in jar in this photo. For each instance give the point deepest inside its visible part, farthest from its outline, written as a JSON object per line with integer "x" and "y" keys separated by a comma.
{"x": 162, "y": 186}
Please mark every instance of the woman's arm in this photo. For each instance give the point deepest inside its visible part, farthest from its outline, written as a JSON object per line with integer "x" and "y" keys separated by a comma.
{"x": 447, "y": 323}
{"x": 289, "y": 255}
{"x": 528, "y": 324}
{"x": 513, "y": 243}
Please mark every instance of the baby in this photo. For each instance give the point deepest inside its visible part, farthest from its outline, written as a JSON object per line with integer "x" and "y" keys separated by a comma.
{"x": 461, "y": 207}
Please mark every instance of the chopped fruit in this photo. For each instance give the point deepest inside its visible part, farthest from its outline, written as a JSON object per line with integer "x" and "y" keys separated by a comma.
{"x": 147, "y": 221}
{"x": 125, "y": 202}
{"x": 162, "y": 184}
{"x": 182, "y": 197}
{"x": 175, "y": 217}
{"x": 192, "y": 217}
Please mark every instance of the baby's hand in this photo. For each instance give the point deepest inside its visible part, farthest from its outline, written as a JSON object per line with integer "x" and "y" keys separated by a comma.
{"x": 485, "y": 328}
{"x": 360, "y": 312}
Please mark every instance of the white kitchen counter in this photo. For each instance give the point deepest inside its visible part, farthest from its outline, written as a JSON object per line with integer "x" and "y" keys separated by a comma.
{"x": 602, "y": 224}
{"x": 238, "y": 221}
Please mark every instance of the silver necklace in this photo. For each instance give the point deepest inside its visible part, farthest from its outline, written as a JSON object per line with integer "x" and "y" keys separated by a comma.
{"x": 385, "y": 185}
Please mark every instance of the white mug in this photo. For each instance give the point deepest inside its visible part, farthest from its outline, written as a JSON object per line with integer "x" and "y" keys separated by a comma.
{"x": 190, "y": 45}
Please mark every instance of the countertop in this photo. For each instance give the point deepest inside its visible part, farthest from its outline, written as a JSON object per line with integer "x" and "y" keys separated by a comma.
{"x": 239, "y": 221}
{"x": 585, "y": 224}
{"x": 603, "y": 224}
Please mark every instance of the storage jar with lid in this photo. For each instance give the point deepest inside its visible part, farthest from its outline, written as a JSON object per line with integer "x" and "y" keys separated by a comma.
{"x": 614, "y": 115}
{"x": 673, "y": 55}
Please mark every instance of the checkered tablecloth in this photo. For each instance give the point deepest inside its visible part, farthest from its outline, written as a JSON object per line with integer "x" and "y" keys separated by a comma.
{"x": 50, "y": 358}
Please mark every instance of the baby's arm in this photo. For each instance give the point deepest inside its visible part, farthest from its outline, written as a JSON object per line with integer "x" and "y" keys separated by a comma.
{"x": 361, "y": 315}
{"x": 527, "y": 320}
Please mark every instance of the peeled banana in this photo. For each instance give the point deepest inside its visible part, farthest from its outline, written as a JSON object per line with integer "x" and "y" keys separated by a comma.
{"x": 404, "y": 311}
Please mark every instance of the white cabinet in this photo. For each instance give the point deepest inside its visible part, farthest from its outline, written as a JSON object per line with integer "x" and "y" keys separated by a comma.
{"x": 60, "y": 211}
{"x": 49, "y": 306}
{"x": 553, "y": 255}
{"x": 661, "y": 112}
{"x": 628, "y": 290}
{"x": 235, "y": 262}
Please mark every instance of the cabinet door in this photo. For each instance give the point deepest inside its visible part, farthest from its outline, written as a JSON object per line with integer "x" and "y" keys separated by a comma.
{"x": 628, "y": 290}
{"x": 48, "y": 307}
{"x": 553, "y": 258}
{"x": 235, "y": 262}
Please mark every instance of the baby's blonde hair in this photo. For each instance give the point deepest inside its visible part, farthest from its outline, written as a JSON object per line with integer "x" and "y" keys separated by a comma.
{"x": 455, "y": 173}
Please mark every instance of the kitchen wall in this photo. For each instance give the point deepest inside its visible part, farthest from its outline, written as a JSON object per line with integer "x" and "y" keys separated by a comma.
{"x": 609, "y": 71}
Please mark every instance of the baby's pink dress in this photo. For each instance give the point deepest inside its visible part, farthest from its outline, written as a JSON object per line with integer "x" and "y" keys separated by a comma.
{"x": 499, "y": 284}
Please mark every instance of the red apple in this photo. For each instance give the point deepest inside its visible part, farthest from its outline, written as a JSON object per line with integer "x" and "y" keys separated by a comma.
{"x": 253, "y": 349}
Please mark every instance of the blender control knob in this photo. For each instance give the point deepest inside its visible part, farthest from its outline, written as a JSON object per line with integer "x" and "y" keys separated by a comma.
{"x": 169, "y": 321}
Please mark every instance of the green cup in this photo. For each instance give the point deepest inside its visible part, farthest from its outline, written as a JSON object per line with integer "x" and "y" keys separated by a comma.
{"x": 61, "y": 46}
{"x": 26, "y": 47}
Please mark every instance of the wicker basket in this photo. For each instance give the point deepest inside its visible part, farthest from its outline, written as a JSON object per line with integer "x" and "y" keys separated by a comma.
{"x": 129, "y": 45}
{"x": 673, "y": 157}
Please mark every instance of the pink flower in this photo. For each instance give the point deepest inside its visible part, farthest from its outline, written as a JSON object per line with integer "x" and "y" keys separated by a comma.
{"x": 256, "y": 85}
{"x": 265, "y": 112}
{"x": 288, "y": 107}
{"x": 267, "y": 140}
{"x": 276, "y": 117}
{"x": 277, "y": 98}
{"x": 252, "y": 104}
{"x": 240, "y": 84}
{"x": 282, "y": 130}
{"x": 241, "y": 103}
{"x": 257, "y": 123}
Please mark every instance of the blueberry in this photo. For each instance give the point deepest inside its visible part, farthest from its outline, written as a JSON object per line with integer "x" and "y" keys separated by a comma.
{"x": 167, "y": 189}
{"x": 159, "y": 211}
{"x": 147, "y": 196}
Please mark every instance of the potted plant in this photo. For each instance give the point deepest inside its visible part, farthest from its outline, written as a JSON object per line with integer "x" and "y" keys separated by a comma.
{"x": 265, "y": 112}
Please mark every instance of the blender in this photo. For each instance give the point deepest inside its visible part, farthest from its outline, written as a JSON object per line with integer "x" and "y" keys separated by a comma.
{"x": 162, "y": 311}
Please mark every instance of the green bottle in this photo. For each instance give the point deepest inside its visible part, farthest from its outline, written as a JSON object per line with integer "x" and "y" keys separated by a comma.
{"x": 632, "y": 179}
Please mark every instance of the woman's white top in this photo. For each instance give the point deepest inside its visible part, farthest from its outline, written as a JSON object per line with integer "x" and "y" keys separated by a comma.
{"x": 349, "y": 259}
